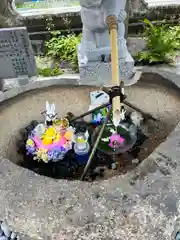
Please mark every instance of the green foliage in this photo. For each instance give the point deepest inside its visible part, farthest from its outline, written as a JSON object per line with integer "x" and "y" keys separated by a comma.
{"x": 50, "y": 72}
{"x": 64, "y": 48}
{"x": 47, "y": 68}
{"x": 44, "y": 4}
{"x": 163, "y": 42}
{"x": 29, "y": 5}
{"x": 19, "y": 5}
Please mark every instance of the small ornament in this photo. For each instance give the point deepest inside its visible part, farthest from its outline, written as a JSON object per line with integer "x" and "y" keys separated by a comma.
{"x": 39, "y": 130}
{"x": 50, "y": 114}
{"x": 82, "y": 147}
{"x": 97, "y": 99}
{"x": 63, "y": 123}
{"x": 136, "y": 118}
{"x": 81, "y": 141}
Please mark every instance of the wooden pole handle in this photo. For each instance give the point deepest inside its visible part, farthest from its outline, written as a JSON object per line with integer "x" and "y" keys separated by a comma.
{"x": 113, "y": 28}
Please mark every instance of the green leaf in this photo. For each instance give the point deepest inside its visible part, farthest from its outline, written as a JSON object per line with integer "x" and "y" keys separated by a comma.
{"x": 146, "y": 21}
{"x": 63, "y": 47}
{"x": 162, "y": 42}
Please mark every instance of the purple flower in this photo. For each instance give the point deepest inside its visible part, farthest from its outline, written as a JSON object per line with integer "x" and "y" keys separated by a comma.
{"x": 57, "y": 153}
{"x": 32, "y": 134}
{"x": 30, "y": 150}
{"x": 59, "y": 149}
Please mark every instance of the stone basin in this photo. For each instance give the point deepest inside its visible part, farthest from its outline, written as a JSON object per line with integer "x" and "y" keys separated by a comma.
{"x": 142, "y": 203}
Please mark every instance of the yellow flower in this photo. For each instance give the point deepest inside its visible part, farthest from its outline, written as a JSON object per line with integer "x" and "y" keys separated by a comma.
{"x": 41, "y": 154}
{"x": 57, "y": 138}
{"x": 30, "y": 142}
{"x": 43, "y": 150}
{"x": 47, "y": 141}
{"x": 45, "y": 157}
{"x": 50, "y": 132}
{"x": 49, "y": 135}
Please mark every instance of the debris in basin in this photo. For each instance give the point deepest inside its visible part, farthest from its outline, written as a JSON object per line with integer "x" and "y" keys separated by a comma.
{"x": 113, "y": 166}
{"x": 135, "y": 161}
{"x": 117, "y": 139}
{"x": 60, "y": 147}
{"x": 136, "y": 118}
{"x": 97, "y": 99}
{"x": 51, "y": 140}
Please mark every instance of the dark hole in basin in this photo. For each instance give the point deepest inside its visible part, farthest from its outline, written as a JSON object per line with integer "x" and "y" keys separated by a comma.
{"x": 150, "y": 94}
{"x": 71, "y": 167}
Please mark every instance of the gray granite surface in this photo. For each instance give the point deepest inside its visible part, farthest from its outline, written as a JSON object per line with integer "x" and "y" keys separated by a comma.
{"x": 94, "y": 49}
{"x": 168, "y": 72}
{"x": 16, "y": 54}
{"x": 143, "y": 204}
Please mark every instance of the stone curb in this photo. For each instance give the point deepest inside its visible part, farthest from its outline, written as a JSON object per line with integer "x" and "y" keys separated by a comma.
{"x": 40, "y": 83}
{"x": 63, "y": 11}
{"x": 170, "y": 73}
{"x": 23, "y": 187}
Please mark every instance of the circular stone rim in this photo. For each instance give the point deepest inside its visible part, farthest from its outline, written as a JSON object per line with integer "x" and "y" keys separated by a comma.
{"x": 41, "y": 183}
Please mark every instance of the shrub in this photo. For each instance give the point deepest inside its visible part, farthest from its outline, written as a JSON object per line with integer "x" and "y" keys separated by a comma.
{"x": 163, "y": 42}
{"x": 47, "y": 68}
{"x": 45, "y": 4}
{"x": 63, "y": 48}
{"x": 50, "y": 72}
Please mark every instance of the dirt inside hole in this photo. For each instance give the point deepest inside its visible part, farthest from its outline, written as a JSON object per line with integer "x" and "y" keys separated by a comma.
{"x": 161, "y": 101}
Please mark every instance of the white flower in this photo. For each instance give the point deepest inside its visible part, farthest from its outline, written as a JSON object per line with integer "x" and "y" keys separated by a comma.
{"x": 112, "y": 131}
{"x": 39, "y": 130}
{"x": 105, "y": 139}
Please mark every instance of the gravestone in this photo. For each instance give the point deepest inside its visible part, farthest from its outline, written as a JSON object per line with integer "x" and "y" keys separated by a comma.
{"x": 17, "y": 61}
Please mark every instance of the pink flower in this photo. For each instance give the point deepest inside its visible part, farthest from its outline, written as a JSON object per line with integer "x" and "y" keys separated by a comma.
{"x": 48, "y": 147}
{"x": 116, "y": 141}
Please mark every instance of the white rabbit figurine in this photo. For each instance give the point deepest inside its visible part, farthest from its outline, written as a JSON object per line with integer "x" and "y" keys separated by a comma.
{"x": 50, "y": 113}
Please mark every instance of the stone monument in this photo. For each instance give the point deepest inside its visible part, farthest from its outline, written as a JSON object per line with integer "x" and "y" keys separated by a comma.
{"x": 94, "y": 50}
{"x": 17, "y": 61}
